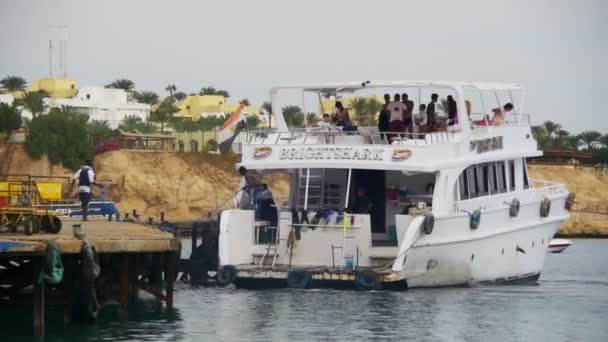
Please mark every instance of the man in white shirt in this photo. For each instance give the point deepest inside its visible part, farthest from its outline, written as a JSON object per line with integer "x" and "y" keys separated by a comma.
{"x": 396, "y": 110}
{"x": 86, "y": 178}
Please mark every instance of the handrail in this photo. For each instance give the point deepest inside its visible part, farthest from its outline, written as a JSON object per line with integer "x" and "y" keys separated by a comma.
{"x": 333, "y": 137}
{"x": 502, "y": 200}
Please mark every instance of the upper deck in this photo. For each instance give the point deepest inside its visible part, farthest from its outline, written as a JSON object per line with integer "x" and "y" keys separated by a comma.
{"x": 368, "y": 149}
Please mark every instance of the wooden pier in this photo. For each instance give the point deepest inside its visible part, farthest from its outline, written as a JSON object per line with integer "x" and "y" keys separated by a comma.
{"x": 128, "y": 257}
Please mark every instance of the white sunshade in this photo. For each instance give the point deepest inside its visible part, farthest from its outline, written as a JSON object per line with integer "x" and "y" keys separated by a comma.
{"x": 332, "y": 87}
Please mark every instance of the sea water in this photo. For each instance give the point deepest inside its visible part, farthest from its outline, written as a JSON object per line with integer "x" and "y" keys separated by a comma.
{"x": 570, "y": 303}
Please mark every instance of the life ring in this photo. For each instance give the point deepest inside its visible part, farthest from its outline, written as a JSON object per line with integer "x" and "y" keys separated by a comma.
{"x": 545, "y": 207}
{"x": 226, "y": 274}
{"x": 428, "y": 223}
{"x": 366, "y": 280}
{"x": 475, "y": 219}
{"x": 570, "y": 200}
{"x": 298, "y": 279}
{"x": 514, "y": 208}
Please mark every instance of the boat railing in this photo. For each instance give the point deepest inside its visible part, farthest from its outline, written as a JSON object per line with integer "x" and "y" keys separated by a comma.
{"x": 535, "y": 193}
{"x": 316, "y": 136}
{"x": 484, "y": 119}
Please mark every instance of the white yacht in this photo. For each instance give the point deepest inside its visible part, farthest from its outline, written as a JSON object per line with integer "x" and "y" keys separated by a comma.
{"x": 451, "y": 206}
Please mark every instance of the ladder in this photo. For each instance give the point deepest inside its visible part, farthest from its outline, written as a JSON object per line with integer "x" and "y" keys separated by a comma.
{"x": 313, "y": 198}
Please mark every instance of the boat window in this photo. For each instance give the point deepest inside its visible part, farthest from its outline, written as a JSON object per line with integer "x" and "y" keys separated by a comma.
{"x": 512, "y": 175}
{"x": 464, "y": 186}
{"x": 472, "y": 177}
{"x": 493, "y": 178}
{"x": 502, "y": 177}
{"x": 484, "y": 181}
{"x": 526, "y": 181}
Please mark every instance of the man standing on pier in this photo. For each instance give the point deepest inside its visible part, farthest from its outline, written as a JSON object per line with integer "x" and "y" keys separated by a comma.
{"x": 86, "y": 178}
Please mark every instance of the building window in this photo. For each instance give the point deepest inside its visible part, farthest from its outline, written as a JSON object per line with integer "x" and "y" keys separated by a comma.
{"x": 193, "y": 146}
{"x": 180, "y": 146}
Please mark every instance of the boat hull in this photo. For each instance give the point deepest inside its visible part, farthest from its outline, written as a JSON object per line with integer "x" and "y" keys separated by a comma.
{"x": 513, "y": 256}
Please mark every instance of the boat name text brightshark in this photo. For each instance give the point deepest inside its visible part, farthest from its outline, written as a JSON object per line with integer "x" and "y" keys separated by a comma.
{"x": 349, "y": 153}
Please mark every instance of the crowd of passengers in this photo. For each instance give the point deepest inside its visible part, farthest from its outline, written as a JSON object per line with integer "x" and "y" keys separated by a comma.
{"x": 398, "y": 115}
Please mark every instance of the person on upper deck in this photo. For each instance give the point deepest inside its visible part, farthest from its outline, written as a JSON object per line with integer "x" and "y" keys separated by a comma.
{"x": 452, "y": 111}
{"x": 325, "y": 124}
{"x": 500, "y": 114}
{"x": 407, "y": 116}
{"x": 383, "y": 118}
{"x": 420, "y": 120}
{"x": 343, "y": 115}
{"x": 431, "y": 113}
{"x": 396, "y": 111}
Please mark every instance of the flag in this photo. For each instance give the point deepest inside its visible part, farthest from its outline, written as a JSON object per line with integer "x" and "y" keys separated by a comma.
{"x": 231, "y": 128}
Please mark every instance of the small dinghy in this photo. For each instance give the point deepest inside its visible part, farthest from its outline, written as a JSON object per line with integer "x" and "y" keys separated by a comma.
{"x": 558, "y": 245}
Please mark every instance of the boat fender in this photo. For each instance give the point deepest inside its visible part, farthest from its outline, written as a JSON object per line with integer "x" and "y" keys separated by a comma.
{"x": 570, "y": 200}
{"x": 475, "y": 219}
{"x": 545, "y": 207}
{"x": 86, "y": 305}
{"x": 298, "y": 279}
{"x": 514, "y": 208}
{"x": 226, "y": 274}
{"x": 52, "y": 273}
{"x": 366, "y": 280}
{"x": 428, "y": 224}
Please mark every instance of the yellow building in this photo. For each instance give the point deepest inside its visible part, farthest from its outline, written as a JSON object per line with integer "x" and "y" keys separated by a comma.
{"x": 195, "y": 106}
{"x": 56, "y": 87}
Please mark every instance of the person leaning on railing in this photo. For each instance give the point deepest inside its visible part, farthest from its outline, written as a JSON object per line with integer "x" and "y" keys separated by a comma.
{"x": 500, "y": 114}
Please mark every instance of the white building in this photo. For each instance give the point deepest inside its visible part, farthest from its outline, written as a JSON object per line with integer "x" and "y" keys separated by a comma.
{"x": 7, "y": 98}
{"x": 100, "y": 103}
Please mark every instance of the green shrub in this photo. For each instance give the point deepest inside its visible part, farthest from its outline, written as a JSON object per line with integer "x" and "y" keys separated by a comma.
{"x": 62, "y": 136}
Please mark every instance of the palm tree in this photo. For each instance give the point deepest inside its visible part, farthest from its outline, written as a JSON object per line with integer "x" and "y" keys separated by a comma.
{"x": 267, "y": 107}
{"x": 213, "y": 91}
{"x": 122, "y": 83}
{"x": 590, "y": 138}
{"x": 171, "y": 88}
{"x": 13, "y": 83}
{"x": 604, "y": 140}
{"x": 312, "y": 118}
{"x": 165, "y": 111}
{"x": 34, "y": 101}
{"x": 373, "y": 107}
{"x": 293, "y": 116}
{"x": 130, "y": 122}
{"x": 359, "y": 107}
{"x": 179, "y": 95}
{"x": 147, "y": 97}
{"x": 552, "y": 128}
{"x": 541, "y": 136}
{"x": 10, "y": 118}
{"x": 99, "y": 130}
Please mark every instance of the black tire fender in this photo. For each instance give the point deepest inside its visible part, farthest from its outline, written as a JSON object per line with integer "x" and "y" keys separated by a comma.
{"x": 298, "y": 279}
{"x": 514, "y": 208}
{"x": 428, "y": 224}
{"x": 545, "y": 207}
{"x": 226, "y": 274}
{"x": 366, "y": 280}
{"x": 475, "y": 219}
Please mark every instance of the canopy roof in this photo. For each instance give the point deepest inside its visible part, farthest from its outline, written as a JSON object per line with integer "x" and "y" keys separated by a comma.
{"x": 332, "y": 87}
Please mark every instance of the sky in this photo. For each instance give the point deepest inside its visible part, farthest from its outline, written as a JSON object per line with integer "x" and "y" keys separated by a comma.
{"x": 557, "y": 49}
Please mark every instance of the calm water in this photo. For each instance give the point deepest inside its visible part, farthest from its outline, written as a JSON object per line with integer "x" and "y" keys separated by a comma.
{"x": 570, "y": 304}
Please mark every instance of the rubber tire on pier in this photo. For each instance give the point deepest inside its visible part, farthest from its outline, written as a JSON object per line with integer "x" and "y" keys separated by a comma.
{"x": 298, "y": 279}
{"x": 514, "y": 208}
{"x": 366, "y": 280}
{"x": 475, "y": 219}
{"x": 226, "y": 274}
{"x": 31, "y": 225}
{"x": 545, "y": 207}
{"x": 428, "y": 223}
{"x": 51, "y": 225}
{"x": 570, "y": 200}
